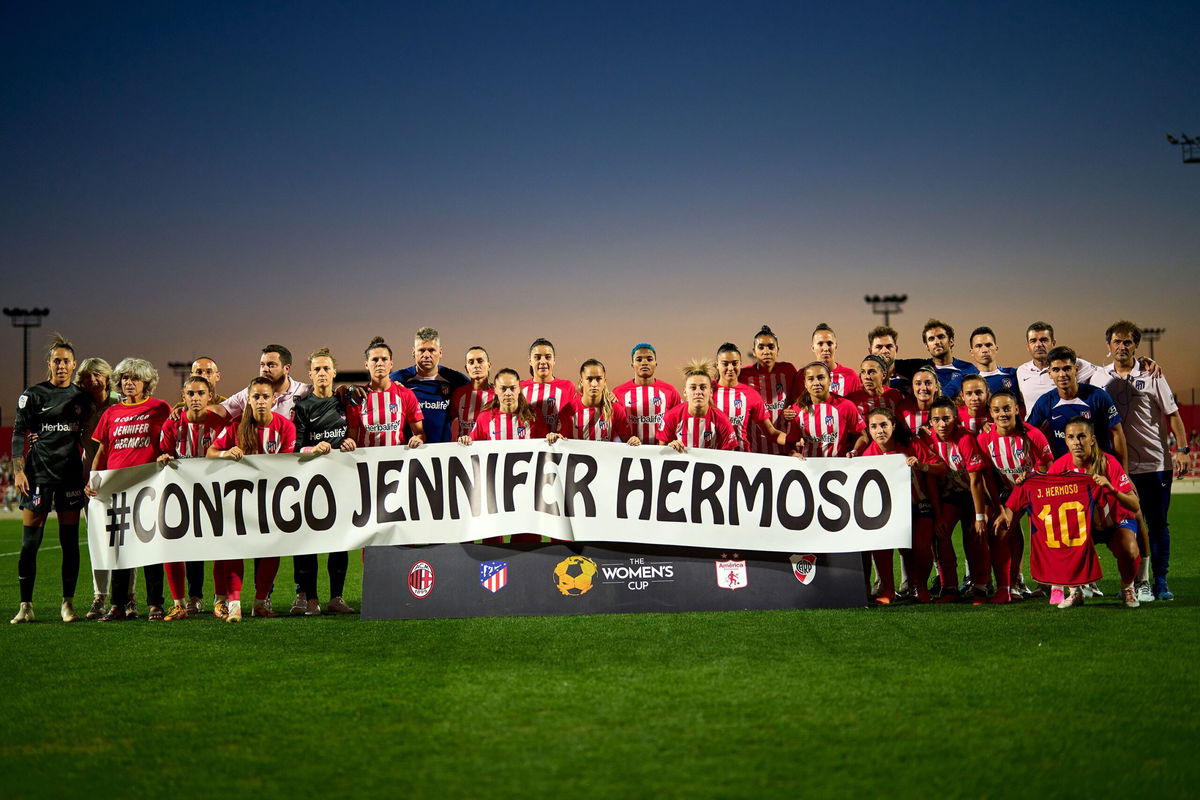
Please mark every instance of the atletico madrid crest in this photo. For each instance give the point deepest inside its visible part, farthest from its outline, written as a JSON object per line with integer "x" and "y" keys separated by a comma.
{"x": 493, "y": 575}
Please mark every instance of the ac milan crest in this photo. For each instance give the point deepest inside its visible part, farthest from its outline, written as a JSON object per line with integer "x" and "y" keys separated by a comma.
{"x": 493, "y": 575}
{"x": 420, "y": 579}
{"x": 804, "y": 567}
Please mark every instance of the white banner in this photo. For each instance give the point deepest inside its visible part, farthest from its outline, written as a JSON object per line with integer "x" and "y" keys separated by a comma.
{"x": 204, "y": 509}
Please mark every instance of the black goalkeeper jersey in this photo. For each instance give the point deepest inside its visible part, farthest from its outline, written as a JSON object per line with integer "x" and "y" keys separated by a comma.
{"x": 57, "y": 417}
{"x": 319, "y": 419}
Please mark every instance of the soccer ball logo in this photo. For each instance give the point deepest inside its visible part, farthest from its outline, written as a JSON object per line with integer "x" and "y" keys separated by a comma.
{"x": 573, "y": 575}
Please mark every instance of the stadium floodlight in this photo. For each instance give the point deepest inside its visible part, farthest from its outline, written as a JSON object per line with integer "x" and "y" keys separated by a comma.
{"x": 26, "y": 318}
{"x": 182, "y": 370}
{"x": 886, "y": 305}
{"x": 1152, "y": 335}
{"x": 1188, "y": 147}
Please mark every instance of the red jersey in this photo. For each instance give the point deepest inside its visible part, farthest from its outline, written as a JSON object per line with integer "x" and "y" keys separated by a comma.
{"x": 866, "y": 403}
{"x": 1060, "y": 519}
{"x": 743, "y": 406}
{"x": 1116, "y": 476}
{"x": 645, "y": 405}
{"x": 183, "y": 438}
{"x": 914, "y": 448}
{"x": 842, "y": 381}
{"x": 915, "y": 418}
{"x": 712, "y": 431}
{"x": 775, "y": 389}
{"x": 130, "y": 433}
{"x": 548, "y": 399}
{"x": 586, "y": 422}
{"x": 1015, "y": 455}
{"x": 382, "y": 416}
{"x": 465, "y": 405}
{"x": 962, "y": 455}
{"x": 973, "y": 423}
{"x": 830, "y": 428}
{"x": 279, "y": 436}
{"x": 494, "y": 425}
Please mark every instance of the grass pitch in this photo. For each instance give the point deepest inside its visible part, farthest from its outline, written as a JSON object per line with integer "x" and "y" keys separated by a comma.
{"x": 929, "y": 701}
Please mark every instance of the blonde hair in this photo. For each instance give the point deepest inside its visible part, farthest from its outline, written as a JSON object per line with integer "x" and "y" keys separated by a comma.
{"x": 94, "y": 366}
{"x": 321, "y": 352}
{"x": 138, "y": 368}
{"x": 701, "y": 366}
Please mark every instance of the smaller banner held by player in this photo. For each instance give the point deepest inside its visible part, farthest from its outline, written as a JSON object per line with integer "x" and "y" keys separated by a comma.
{"x": 288, "y": 504}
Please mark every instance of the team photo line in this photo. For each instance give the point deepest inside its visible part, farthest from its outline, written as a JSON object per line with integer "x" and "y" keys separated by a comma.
{"x": 970, "y": 432}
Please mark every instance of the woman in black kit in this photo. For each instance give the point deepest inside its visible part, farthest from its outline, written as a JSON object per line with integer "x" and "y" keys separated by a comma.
{"x": 321, "y": 426}
{"x": 52, "y": 474}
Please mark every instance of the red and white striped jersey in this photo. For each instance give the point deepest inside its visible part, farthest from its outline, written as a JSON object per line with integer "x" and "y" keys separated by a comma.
{"x": 711, "y": 431}
{"x": 380, "y": 419}
{"x": 831, "y": 428}
{"x": 916, "y": 448}
{"x": 842, "y": 381}
{"x": 775, "y": 389}
{"x": 586, "y": 422}
{"x": 465, "y": 405}
{"x": 183, "y": 438}
{"x": 548, "y": 399}
{"x": 645, "y": 405}
{"x": 494, "y": 425}
{"x": 866, "y": 403}
{"x": 971, "y": 422}
{"x": 744, "y": 408}
{"x": 1013, "y": 456}
{"x": 961, "y": 454}
{"x": 915, "y": 418}
{"x": 277, "y": 437}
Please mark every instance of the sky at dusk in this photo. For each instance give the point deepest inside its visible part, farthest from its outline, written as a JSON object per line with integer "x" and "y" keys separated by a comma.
{"x": 205, "y": 178}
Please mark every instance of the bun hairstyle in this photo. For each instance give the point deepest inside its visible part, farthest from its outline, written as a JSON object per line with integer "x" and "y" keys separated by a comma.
{"x": 765, "y": 330}
{"x": 728, "y": 347}
{"x": 58, "y": 342}
{"x": 375, "y": 344}
{"x": 322, "y": 352}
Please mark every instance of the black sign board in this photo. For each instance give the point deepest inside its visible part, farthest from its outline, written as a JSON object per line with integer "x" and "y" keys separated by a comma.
{"x": 534, "y": 579}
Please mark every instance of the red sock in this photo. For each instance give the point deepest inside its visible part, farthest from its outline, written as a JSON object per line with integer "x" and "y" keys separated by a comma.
{"x": 1001, "y": 562}
{"x": 921, "y": 560}
{"x": 887, "y": 578}
{"x": 264, "y": 576}
{"x": 176, "y": 579}
{"x": 234, "y": 570}
{"x": 1128, "y": 568}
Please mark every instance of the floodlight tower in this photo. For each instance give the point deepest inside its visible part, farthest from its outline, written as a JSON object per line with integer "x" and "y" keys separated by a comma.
{"x": 886, "y": 305}
{"x": 182, "y": 370}
{"x": 1189, "y": 147}
{"x": 26, "y": 318}
{"x": 1152, "y": 335}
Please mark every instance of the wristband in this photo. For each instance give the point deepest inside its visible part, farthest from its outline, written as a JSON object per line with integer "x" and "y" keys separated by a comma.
{"x": 980, "y": 517}
{"x": 1185, "y": 450}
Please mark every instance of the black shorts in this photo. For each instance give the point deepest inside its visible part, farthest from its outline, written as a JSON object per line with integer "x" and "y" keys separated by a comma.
{"x": 44, "y": 499}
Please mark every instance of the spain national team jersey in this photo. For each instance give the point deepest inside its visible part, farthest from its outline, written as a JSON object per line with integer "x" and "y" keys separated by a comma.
{"x": 131, "y": 433}
{"x": 466, "y": 404}
{"x": 548, "y": 399}
{"x": 1060, "y": 520}
{"x": 962, "y": 455}
{"x": 494, "y": 425}
{"x": 973, "y": 423}
{"x": 744, "y": 408}
{"x": 588, "y": 423}
{"x": 646, "y": 405}
{"x": 866, "y": 403}
{"x": 1114, "y": 512}
{"x": 183, "y": 438}
{"x": 1014, "y": 455}
{"x": 775, "y": 389}
{"x": 711, "y": 431}
{"x": 278, "y": 436}
{"x": 829, "y": 429}
{"x": 380, "y": 420}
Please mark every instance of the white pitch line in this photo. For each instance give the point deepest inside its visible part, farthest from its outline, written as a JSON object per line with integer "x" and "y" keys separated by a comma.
{"x": 82, "y": 543}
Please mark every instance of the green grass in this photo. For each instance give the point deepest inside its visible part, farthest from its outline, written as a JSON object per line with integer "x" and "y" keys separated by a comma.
{"x": 926, "y": 701}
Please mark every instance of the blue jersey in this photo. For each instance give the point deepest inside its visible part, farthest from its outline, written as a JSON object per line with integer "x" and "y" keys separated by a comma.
{"x": 952, "y": 374}
{"x": 1051, "y": 414}
{"x": 1001, "y": 378}
{"x": 434, "y": 398}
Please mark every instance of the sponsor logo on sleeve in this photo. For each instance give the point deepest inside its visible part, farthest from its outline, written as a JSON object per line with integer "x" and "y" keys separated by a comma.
{"x": 493, "y": 575}
{"x": 731, "y": 574}
{"x": 804, "y": 567}
{"x": 420, "y": 579}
